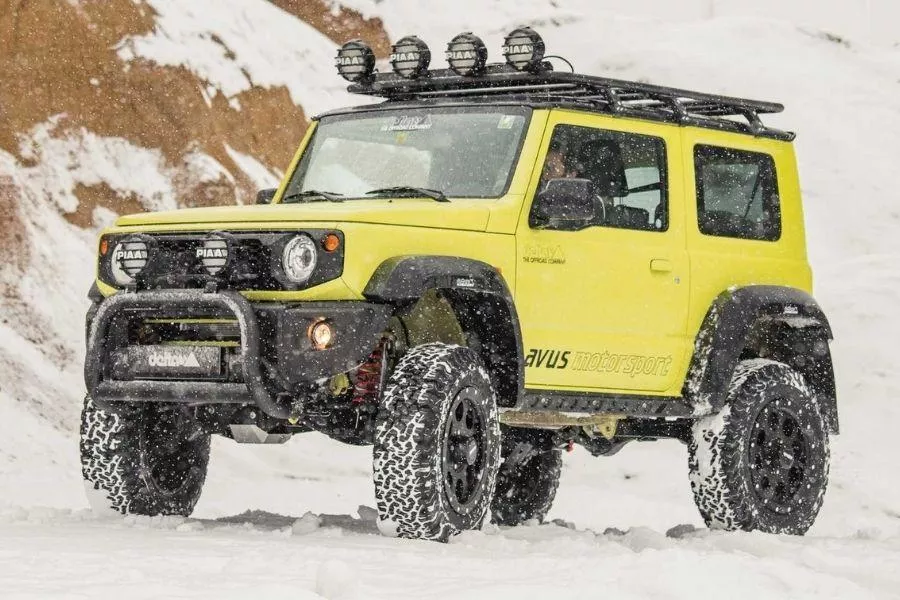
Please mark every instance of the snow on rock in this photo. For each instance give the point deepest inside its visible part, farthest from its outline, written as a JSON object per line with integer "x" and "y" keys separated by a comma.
{"x": 261, "y": 176}
{"x": 64, "y": 159}
{"x": 251, "y": 43}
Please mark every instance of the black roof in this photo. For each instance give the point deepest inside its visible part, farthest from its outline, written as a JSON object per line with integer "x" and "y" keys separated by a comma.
{"x": 502, "y": 84}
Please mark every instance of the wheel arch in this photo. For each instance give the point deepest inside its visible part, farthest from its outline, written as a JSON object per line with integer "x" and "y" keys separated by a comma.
{"x": 762, "y": 321}
{"x": 480, "y": 300}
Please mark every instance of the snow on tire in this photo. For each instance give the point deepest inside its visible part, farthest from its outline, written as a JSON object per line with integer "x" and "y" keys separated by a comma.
{"x": 762, "y": 462}
{"x": 437, "y": 444}
{"x": 142, "y": 460}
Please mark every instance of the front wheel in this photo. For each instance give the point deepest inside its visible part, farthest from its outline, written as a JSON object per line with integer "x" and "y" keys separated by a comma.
{"x": 762, "y": 462}
{"x": 147, "y": 460}
{"x": 437, "y": 444}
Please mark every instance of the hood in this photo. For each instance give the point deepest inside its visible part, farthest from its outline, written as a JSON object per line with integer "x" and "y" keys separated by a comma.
{"x": 470, "y": 215}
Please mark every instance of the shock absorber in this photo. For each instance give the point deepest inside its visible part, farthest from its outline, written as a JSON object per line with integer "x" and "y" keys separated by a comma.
{"x": 370, "y": 376}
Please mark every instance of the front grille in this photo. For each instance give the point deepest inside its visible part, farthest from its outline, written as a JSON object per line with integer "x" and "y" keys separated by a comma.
{"x": 176, "y": 263}
{"x": 229, "y": 260}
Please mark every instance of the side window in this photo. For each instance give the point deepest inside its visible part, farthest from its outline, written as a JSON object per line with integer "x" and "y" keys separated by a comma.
{"x": 737, "y": 194}
{"x": 628, "y": 172}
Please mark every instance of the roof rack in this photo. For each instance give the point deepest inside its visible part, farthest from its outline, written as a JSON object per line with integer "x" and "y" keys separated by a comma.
{"x": 613, "y": 96}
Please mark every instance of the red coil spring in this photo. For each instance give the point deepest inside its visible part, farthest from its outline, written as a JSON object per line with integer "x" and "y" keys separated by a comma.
{"x": 368, "y": 378}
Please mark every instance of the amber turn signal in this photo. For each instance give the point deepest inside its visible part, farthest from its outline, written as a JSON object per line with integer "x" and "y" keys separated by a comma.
{"x": 104, "y": 246}
{"x": 331, "y": 242}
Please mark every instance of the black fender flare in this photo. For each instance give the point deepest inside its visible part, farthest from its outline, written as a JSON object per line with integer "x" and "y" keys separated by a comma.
{"x": 735, "y": 321}
{"x": 482, "y": 302}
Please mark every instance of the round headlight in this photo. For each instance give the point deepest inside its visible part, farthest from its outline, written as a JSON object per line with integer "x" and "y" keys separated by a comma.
{"x": 299, "y": 259}
{"x": 128, "y": 259}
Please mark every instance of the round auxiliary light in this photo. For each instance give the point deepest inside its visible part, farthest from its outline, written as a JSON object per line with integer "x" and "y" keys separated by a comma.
{"x": 355, "y": 61}
{"x": 321, "y": 334}
{"x": 213, "y": 254}
{"x": 524, "y": 49}
{"x": 129, "y": 258}
{"x": 467, "y": 54}
{"x": 410, "y": 57}
{"x": 299, "y": 259}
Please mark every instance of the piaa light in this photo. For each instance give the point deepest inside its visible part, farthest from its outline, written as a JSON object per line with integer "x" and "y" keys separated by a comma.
{"x": 410, "y": 57}
{"x": 129, "y": 257}
{"x": 524, "y": 49}
{"x": 467, "y": 54}
{"x": 298, "y": 260}
{"x": 355, "y": 61}
{"x": 213, "y": 254}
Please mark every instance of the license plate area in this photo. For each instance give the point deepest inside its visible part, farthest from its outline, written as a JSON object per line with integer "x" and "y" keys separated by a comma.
{"x": 157, "y": 361}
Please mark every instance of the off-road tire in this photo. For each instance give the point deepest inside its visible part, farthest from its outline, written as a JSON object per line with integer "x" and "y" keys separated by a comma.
{"x": 525, "y": 488}
{"x": 762, "y": 462}
{"x": 416, "y": 433}
{"x": 142, "y": 460}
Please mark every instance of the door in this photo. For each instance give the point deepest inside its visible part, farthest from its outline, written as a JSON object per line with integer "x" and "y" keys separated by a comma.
{"x": 604, "y": 308}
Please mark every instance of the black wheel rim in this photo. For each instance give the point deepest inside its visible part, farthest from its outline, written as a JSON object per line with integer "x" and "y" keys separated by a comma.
{"x": 464, "y": 450}
{"x": 779, "y": 453}
{"x": 166, "y": 461}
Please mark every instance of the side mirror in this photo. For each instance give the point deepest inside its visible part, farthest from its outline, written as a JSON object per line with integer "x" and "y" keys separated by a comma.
{"x": 266, "y": 196}
{"x": 563, "y": 204}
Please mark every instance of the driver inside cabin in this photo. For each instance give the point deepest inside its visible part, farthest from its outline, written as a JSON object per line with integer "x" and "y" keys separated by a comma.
{"x": 566, "y": 159}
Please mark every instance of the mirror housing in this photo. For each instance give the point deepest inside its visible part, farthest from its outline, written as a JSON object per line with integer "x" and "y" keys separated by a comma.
{"x": 266, "y": 196}
{"x": 563, "y": 204}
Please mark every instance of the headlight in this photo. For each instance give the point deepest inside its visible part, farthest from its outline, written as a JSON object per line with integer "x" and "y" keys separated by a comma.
{"x": 299, "y": 259}
{"x": 128, "y": 259}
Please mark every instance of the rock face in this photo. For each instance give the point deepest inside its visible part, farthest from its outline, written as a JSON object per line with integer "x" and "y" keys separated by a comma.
{"x": 88, "y": 131}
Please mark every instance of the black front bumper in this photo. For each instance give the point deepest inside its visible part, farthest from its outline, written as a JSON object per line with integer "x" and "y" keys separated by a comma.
{"x": 272, "y": 362}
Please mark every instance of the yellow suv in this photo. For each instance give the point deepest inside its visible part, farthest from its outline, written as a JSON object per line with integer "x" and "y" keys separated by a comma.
{"x": 495, "y": 263}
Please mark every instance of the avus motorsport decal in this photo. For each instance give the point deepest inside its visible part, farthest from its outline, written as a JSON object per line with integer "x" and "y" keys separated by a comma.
{"x": 601, "y": 362}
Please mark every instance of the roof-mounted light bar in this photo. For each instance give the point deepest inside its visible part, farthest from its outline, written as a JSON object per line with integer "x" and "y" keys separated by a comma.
{"x": 467, "y": 54}
{"x": 410, "y": 57}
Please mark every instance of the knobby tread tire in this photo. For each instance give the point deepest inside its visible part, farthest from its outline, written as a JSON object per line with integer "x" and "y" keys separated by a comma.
{"x": 114, "y": 463}
{"x": 525, "y": 491}
{"x": 718, "y": 452}
{"x": 407, "y": 454}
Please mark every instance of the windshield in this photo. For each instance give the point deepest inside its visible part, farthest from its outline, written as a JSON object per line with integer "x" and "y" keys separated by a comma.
{"x": 460, "y": 152}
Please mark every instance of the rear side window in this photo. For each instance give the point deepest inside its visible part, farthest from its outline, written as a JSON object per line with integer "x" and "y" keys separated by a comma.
{"x": 737, "y": 194}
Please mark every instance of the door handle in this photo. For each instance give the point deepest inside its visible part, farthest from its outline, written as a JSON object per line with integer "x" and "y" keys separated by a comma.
{"x": 661, "y": 265}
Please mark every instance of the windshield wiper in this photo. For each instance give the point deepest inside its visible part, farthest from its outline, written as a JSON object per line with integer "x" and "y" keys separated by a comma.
{"x": 410, "y": 191}
{"x": 330, "y": 196}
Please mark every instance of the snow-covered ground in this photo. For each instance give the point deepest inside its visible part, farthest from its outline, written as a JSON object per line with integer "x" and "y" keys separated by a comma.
{"x": 286, "y": 521}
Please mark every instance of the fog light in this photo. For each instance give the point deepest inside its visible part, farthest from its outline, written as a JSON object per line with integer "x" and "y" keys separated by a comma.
{"x": 321, "y": 334}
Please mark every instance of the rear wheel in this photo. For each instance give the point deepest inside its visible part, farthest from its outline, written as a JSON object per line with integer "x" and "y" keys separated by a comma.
{"x": 437, "y": 444}
{"x": 762, "y": 462}
{"x": 528, "y": 477}
{"x": 147, "y": 460}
